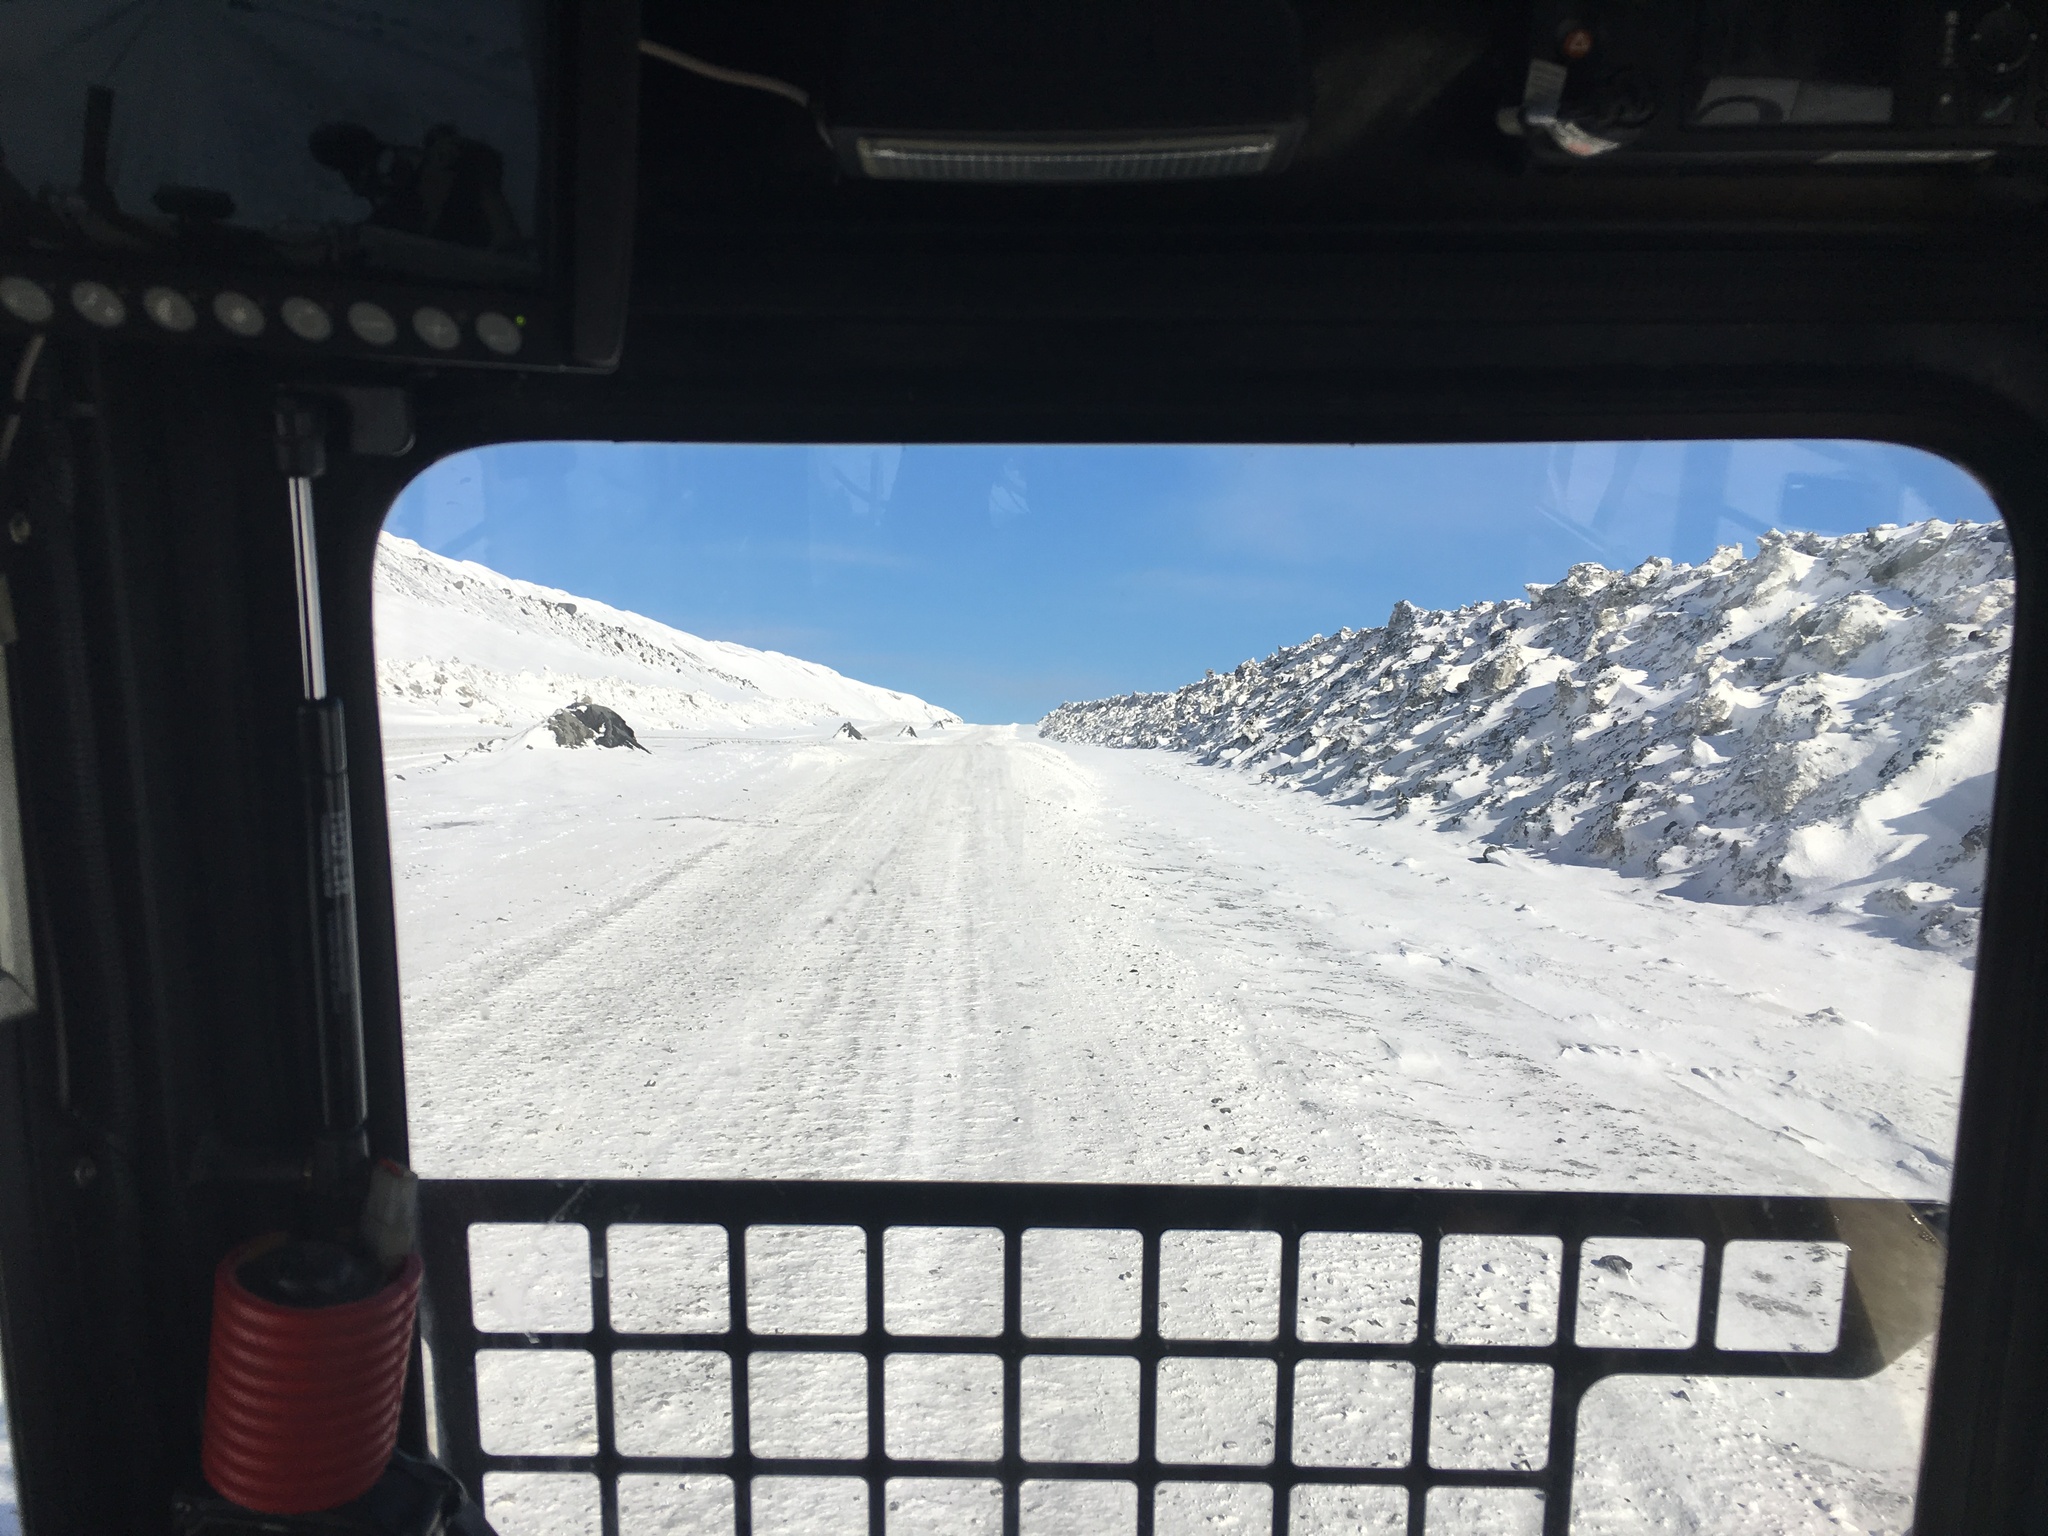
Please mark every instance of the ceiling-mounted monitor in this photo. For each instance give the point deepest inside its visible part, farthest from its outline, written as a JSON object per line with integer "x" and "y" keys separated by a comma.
{"x": 447, "y": 181}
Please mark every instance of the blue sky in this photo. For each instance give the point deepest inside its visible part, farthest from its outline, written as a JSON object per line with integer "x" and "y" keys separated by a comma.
{"x": 1000, "y": 580}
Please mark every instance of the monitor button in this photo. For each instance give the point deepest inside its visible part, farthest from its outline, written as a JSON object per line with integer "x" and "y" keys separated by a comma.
{"x": 305, "y": 319}
{"x": 436, "y": 328}
{"x": 499, "y": 332}
{"x": 170, "y": 309}
{"x": 26, "y": 300}
{"x": 99, "y": 304}
{"x": 239, "y": 313}
{"x": 372, "y": 323}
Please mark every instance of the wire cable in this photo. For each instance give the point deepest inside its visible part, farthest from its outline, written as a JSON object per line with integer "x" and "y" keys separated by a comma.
{"x": 719, "y": 72}
{"x": 26, "y": 368}
{"x": 18, "y": 396}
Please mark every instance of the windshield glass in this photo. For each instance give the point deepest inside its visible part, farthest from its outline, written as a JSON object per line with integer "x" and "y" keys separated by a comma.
{"x": 1584, "y": 817}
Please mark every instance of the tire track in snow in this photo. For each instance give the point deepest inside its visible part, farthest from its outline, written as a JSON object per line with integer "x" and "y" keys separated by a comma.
{"x": 823, "y": 995}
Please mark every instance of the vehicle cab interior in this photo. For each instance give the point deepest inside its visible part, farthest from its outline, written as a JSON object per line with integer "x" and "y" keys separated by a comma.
{"x": 1623, "y": 966}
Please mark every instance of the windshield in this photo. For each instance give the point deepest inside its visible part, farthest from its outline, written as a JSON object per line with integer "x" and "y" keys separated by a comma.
{"x": 1589, "y": 817}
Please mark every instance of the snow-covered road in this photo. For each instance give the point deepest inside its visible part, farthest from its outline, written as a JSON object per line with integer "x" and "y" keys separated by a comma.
{"x": 980, "y": 955}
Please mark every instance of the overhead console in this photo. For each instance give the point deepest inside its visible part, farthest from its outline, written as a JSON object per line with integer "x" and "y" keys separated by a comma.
{"x": 447, "y": 182}
{"x": 453, "y": 183}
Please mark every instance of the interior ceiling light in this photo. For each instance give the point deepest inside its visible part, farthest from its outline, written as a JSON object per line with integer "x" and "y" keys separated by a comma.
{"x": 1027, "y": 157}
{"x": 1060, "y": 91}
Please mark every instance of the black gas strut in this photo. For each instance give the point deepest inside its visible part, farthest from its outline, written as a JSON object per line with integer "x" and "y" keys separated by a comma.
{"x": 343, "y": 1147}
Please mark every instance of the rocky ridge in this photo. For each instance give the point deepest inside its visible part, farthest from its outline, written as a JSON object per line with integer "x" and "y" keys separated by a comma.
{"x": 1817, "y": 723}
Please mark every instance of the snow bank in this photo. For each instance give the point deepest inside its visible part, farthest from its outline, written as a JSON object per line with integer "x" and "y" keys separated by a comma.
{"x": 1817, "y": 724}
{"x": 457, "y": 641}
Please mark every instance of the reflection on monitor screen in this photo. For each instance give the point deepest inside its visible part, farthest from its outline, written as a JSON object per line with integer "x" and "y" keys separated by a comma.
{"x": 345, "y": 134}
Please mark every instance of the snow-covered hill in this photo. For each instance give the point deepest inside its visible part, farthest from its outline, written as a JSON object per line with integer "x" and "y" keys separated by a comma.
{"x": 1818, "y": 723}
{"x": 459, "y": 643}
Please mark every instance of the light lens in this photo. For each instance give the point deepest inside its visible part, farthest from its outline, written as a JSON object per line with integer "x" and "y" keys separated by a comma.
{"x": 372, "y": 323}
{"x": 1194, "y": 157}
{"x": 99, "y": 304}
{"x": 306, "y": 320}
{"x": 29, "y": 302}
{"x": 436, "y": 328}
{"x": 499, "y": 333}
{"x": 170, "y": 309}
{"x": 238, "y": 313}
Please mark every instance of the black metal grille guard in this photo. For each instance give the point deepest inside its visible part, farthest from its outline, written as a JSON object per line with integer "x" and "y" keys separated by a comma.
{"x": 1890, "y": 1302}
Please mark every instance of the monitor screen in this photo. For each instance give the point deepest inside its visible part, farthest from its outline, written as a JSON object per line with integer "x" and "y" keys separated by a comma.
{"x": 349, "y": 135}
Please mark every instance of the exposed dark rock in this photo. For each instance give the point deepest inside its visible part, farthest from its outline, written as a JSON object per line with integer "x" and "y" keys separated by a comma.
{"x": 585, "y": 724}
{"x": 850, "y": 733}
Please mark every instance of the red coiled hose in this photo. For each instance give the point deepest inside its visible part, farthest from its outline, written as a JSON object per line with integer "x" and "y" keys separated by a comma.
{"x": 302, "y": 1402}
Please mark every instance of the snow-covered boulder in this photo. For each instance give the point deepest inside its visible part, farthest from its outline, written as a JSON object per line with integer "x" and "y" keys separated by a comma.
{"x": 584, "y": 724}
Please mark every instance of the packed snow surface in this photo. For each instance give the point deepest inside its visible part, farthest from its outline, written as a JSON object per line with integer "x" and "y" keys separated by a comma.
{"x": 980, "y": 955}
{"x": 1816, "y": 724}
{"x": 972, "y": 952}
